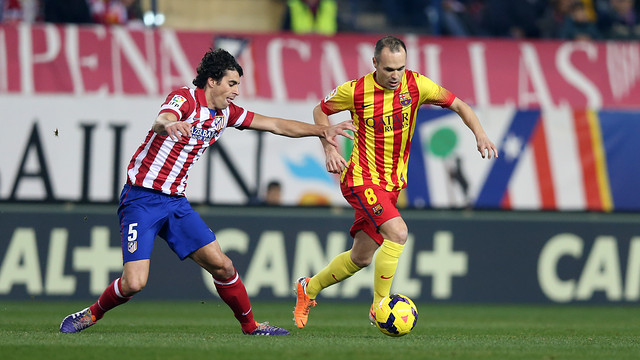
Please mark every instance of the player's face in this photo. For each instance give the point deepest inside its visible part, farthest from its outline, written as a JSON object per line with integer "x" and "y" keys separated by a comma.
{"x": 390, "y": 68}
{"x": 224, "y": 92}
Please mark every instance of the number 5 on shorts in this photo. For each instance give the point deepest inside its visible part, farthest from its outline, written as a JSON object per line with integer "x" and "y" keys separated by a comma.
{"x": 132, "y": 244}
{"x": 133, "y": 233}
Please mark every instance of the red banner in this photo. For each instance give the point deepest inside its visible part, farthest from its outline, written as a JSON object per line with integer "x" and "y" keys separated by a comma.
{"x": 97, "y": 60}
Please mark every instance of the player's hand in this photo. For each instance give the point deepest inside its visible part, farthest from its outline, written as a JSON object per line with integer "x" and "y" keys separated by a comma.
{"x": 334, "y": 161}
{"x": 339, "y": 129}
{"x": 486, "y": 147}
{"x": 176, "y": 129}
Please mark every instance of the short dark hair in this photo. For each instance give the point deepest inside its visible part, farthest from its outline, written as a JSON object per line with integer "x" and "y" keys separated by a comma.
{"x": 274, "y": 184}
{"x": 214, "y": 64}
{"x": 393, "y": 43}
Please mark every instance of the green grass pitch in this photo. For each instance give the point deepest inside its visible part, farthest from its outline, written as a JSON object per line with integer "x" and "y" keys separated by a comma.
{"x": 143, "y": 330}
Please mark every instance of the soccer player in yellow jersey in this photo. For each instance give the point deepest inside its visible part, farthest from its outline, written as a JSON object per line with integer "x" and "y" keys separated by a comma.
{"x": 383, "y": 106}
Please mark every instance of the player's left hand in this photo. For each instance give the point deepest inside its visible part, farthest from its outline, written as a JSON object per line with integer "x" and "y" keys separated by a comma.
{"x": 339, "y": 129}
{"x": 486, "y": 147}
{"x": 334, "y": 161}
{"x": 177, "y": 129}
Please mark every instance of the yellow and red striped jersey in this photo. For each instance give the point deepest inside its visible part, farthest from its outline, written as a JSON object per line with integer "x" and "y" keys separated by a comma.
{"x": 385, "y": 120}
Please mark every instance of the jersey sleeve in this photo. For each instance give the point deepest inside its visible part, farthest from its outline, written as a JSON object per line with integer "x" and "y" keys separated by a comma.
{"x": 432, "y": 93}
{"x": 341, "y": 98}
{"x": 179, "y": 102}
{"x": 239, "y": 117}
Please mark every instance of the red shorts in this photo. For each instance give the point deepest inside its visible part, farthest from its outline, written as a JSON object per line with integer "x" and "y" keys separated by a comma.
{"x": 373, "y": 206}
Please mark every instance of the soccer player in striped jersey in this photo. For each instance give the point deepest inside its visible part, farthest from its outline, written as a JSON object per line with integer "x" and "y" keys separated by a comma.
{"x": 153, "y": 202}
{"x": 383, "y": 106}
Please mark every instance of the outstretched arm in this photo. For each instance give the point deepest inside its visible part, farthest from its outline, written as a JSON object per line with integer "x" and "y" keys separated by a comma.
{"x": 485, "y": 146}
{"x": 295, "y": 129}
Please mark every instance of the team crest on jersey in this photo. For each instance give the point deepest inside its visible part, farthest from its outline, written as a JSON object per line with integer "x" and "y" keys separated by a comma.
{"x": 377, "y": 210}
{"x": 132, "y": 246}
{"x": 205, "y": 135}
{"x": 217, "y": 124}
{"x": 177, "y": 101}
{"x": 405, "y": 99}
{"x": 331, "y": 94}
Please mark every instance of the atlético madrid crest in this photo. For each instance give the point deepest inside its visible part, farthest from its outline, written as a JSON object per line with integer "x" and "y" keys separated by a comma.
{"x": 218, "y": 122}
{"x": 405, "y": 99}
{"x": 132, "y": 246}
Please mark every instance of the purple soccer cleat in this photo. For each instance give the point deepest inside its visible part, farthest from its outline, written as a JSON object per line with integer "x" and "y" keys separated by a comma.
{"x": 268, "y": 330}
{"x": 77, "y": 322}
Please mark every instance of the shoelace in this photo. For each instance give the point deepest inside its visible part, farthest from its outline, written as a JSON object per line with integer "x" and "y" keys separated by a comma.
{"x": 264, "y": 326}
{"x": 310, "y": 304}
{"x": 82, "y": 322}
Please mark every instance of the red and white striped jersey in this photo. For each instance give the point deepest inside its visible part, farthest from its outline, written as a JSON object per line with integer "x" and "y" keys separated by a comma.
{"x": 163, "y": 164}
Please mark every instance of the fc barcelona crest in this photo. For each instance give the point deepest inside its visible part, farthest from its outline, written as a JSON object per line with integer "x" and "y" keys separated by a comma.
{"x": 405, "y": 99}
{"x": 377, "y": 210}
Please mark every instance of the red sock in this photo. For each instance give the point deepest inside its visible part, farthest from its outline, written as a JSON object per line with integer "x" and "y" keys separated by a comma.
{"x": 110, "y": 298}
{"x": 234, "y": 294}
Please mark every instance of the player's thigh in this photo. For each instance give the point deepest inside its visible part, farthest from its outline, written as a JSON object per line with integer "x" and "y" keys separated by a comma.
{"x": 185, "y": 231}
{"x": 373, "y": 207}
{"x": 141, "y": 217}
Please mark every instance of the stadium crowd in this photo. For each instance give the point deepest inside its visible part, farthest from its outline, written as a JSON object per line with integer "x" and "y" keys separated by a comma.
{"x": 531, "y": 19}
{"x": 107, "y": 12}
{"x": 546, "y": 19}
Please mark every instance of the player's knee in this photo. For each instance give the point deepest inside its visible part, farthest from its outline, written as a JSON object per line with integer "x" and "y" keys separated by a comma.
{"x": 222, "y": 269}
{"x": 362, "y": 261}
{"x": 399, "y": 236}
{"x": 227, "y": 267}
{"x": 131, "y": 287}
{"x": 395, "y": 230}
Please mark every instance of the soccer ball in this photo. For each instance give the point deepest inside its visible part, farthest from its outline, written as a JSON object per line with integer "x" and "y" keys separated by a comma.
{"x": 396, "y": 315}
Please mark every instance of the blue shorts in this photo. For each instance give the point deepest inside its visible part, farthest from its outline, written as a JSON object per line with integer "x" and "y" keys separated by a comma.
{"x": 146, "y": 213}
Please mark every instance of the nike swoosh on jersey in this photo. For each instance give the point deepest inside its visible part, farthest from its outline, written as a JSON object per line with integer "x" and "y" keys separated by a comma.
{"x": 386, "y": 277}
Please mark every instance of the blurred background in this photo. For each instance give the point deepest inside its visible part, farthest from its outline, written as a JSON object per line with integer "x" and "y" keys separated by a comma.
{"x": 527, "y": 19}
{"x": 556, "y": 84}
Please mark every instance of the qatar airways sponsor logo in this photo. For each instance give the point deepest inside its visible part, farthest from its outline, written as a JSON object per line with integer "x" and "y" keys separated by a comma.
{"x": 393, "y": 122}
